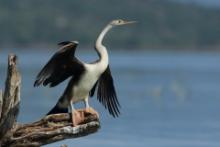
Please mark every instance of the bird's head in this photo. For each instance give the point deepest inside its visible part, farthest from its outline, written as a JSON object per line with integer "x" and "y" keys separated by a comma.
{"x": 119, "y": 22}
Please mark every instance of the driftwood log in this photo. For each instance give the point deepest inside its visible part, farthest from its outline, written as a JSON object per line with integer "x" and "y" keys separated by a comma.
{"x": 49, "y": 129}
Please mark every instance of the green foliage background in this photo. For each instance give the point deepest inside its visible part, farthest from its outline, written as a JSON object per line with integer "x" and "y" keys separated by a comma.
{"x": 162, "y": 23}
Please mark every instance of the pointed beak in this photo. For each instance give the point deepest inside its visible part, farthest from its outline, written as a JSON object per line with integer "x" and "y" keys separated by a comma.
{"x": 128, "y": 22}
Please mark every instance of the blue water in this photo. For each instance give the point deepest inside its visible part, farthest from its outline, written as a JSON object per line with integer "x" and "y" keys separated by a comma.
{"x": 168, "y": 99}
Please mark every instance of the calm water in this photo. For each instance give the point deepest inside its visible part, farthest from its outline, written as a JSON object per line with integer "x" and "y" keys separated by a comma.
{"x": 168, "y": 99}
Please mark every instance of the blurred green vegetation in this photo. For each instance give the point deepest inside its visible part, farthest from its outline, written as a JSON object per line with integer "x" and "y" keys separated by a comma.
{"x": 162, "y": 23}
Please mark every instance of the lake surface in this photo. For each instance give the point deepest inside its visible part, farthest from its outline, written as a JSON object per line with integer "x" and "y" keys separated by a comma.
{"x": 168, "y": 99}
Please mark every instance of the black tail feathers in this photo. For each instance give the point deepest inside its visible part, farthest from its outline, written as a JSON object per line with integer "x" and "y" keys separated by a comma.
{"x": 57, "y": 109}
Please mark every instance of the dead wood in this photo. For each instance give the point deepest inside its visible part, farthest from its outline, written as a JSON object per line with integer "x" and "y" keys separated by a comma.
{"x": 49, "y": 129}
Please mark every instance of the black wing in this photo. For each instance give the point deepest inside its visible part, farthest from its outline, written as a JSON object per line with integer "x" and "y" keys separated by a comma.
{"x": 106, "y": 93}
{"x": 64, "y": 43}
{"x": 92, "y": 92}
{"x": 61, "y": 66}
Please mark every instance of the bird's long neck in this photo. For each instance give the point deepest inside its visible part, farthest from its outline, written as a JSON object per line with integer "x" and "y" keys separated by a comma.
{"x": 100, "y": 48}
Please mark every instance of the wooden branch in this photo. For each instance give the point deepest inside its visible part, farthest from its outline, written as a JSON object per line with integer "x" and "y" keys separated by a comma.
{"x": 49, "y": 129}
{"x": 11, "y": 97}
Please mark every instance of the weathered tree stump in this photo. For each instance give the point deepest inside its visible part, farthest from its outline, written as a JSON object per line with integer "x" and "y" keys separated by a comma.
{"x": 49, "y": 129}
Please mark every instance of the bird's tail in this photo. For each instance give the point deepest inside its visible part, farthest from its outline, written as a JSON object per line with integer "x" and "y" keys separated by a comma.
{"x": 58, "y": 108}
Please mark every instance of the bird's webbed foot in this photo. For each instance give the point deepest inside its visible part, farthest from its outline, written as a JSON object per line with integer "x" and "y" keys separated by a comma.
{"x": 92, "y": 111}
{"x": 82, "y": 116}
{"x": 78, "y": 117}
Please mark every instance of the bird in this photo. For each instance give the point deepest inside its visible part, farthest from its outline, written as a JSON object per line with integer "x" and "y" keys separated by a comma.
{"x": 85, "y": 77}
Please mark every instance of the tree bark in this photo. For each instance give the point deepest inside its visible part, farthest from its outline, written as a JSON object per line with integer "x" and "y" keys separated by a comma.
{"x": 49, "y": 129}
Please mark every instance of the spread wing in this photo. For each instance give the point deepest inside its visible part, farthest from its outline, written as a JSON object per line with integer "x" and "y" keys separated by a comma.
{"x": 106, "y": 93}
{"x": 61, "y": 66}
{"x": 92, "y": 92}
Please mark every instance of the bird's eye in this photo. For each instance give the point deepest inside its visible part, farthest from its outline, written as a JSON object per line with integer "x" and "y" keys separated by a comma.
{"x": 119, "y": 21}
